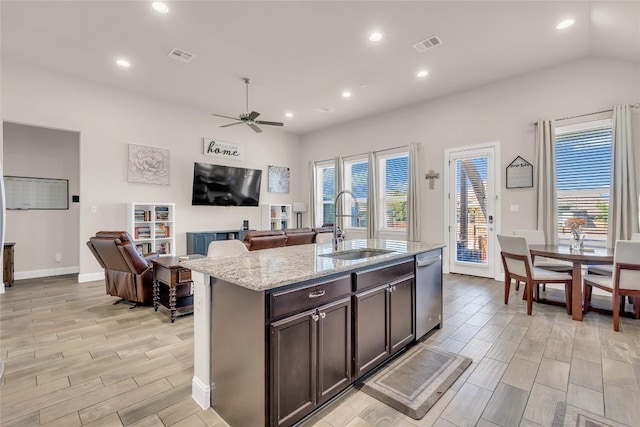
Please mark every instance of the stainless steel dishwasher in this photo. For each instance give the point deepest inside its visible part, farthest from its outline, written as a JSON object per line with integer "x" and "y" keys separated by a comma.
{"x": 428, "y": 291}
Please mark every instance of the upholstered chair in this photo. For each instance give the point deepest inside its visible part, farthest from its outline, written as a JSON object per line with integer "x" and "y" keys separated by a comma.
{"x": 516, "y": 260}
{"x": 127, "y": 274}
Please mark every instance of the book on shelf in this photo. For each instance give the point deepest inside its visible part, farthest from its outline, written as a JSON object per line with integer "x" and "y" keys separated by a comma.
{"x": 143, "y": 248}
{"x": 142, "y": 232}
{"x": 162, "y": 231}
{"x": 162, "y": 213}
{"x": 141, "y": 215}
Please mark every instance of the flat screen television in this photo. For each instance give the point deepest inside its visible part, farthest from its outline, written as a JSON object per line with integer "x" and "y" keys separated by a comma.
{"x": 217, "y": 185}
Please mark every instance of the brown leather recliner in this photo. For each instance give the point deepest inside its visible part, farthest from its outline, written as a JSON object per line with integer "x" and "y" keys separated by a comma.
{"x": 127, "y": 274}
{"x": 299, "y": 236}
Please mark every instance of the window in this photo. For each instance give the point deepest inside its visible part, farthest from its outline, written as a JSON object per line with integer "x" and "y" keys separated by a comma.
{"x": 583, "y": 174}
{"x": 394, "y": 177}
{"x": 356, "y": 175}
{"x": 326, "y": 191}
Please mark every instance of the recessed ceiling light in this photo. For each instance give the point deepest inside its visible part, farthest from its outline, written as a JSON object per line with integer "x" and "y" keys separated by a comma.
{"x": 288, "y": 114}
{"x": 422, "y": 73}
{"x": 375, "y": 37}
{"x": 160, "y": 7}
{"x": 565, "y": 24}
{"x": 346, "y": 94}
{"x": 123, "y": 63}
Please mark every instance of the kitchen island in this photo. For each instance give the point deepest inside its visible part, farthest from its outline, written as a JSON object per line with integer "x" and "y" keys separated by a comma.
{"x": 279, "y": 332}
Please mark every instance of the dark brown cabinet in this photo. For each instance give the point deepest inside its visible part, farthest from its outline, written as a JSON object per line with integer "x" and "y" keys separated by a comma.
{"x": 310, "y": 360}
{"x": 384, "y": 323}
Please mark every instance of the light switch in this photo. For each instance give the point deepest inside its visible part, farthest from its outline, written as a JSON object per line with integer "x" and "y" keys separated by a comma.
{"x": 514, "y": 208}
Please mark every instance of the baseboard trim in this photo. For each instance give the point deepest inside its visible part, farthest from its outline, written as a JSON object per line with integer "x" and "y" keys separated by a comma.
{"x": 201, "y": 393}
{"x": 34, "y": 274}
{"x": 90, "y": 277}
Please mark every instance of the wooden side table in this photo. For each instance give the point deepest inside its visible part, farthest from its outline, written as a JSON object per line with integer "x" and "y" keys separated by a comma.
{"x": 173, "y": 287}
{"x": 7, "y": 268}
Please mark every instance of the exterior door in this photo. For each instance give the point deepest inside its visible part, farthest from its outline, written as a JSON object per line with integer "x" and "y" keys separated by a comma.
{"x": 471, "y": 210}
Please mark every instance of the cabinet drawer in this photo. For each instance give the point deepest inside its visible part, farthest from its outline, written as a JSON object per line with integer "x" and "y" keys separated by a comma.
{"x": 290, "y": 301}
{"x": 379, "y": 276}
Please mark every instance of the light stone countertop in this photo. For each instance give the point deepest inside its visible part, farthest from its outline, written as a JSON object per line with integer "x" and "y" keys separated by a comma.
{"x": 272, "y": 268}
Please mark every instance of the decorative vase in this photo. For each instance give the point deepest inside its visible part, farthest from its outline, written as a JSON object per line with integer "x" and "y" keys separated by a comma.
{"x": 577, "y": 239}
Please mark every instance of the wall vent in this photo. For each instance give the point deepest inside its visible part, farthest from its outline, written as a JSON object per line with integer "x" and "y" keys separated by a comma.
{"x": 324, "y": 110}
{"x": 180, "y": 55}
{"x": 427, "y": 43}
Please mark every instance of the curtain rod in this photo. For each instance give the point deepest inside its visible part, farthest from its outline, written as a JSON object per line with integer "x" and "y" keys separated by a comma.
{"x": 364, "y": 154}
{"x": 636, "y": 105}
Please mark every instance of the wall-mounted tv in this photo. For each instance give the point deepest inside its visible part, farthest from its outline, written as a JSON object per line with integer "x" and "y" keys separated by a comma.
{"x": 217, "y": 185}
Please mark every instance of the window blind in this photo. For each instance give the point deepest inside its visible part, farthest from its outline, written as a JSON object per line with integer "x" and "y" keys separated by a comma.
{"x": 395, "y": 179}
{"x": 356, "y": 180}
{"x": 583, "y": 179}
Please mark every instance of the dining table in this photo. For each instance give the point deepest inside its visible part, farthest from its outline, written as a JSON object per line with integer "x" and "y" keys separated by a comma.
{"x": 578, "y": 257}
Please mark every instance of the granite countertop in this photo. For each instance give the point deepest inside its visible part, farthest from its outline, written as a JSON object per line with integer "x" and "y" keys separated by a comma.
{"x": 272, "y": 268}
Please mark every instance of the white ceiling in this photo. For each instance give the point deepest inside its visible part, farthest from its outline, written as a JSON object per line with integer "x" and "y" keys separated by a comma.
{"x": 301, "y": 55}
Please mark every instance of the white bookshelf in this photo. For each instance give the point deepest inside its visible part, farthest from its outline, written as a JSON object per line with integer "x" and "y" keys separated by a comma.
{"x": 151, "y": 226}
{"x": 277, "y": 217}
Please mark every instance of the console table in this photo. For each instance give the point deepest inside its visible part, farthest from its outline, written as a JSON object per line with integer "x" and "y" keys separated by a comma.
{"x": 172, "y": 286}
{"x": 198, "y": 242}
{"x": 7, "y": 268}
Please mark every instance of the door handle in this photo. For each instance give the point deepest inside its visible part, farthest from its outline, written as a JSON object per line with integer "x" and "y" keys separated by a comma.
{"x": 317, "y": 294}
{"x": 427, "y": 262}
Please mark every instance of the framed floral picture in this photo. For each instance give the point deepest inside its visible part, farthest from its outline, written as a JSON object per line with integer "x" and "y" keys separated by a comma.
{"x": 148, "y": 165}
{"x": 278, "y": 179}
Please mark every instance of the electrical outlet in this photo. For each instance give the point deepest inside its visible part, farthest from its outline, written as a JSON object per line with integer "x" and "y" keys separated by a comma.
{"x": 58, "y": 257}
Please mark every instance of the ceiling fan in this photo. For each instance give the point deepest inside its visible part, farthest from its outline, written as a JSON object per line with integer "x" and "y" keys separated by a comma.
{"x": 249, "y": 118}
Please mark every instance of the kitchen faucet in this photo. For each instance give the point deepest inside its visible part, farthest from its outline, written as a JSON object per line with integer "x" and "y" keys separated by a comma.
{"x": 335, "y": 239}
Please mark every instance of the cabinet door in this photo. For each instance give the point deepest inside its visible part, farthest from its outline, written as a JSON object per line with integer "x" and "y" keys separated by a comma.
{"x": 334, "y": 348}
{"x": 293, "y": 368}
{"x": 372, "y": 333}
{"x": 401, "y": 316}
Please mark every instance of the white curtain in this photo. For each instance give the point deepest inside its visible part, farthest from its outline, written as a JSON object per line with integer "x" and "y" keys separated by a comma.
{"x": 547, "y": 218}
{"x": 372, "y": 197}
{"x": 623, "y": 200}
{"x": 339, "y": 181}
{"x": 413, "y": 195}
{"x": 313, "y": 181}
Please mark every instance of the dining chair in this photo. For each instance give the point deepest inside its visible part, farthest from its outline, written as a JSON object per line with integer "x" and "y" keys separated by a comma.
{"x": 516, "y": 260}
{"x": 536, "y": 237}
{"x": 223, "y": 248}
{"x": 607, "y": 270}
{"x": 625, "y": 280}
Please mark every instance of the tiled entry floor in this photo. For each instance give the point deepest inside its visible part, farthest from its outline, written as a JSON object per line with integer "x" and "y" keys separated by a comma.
{"x": 523, "y": 365}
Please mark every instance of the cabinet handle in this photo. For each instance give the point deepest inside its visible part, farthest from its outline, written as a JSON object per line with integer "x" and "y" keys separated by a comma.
{"x": 323, "y": 314}
{"x": 315, "y": 317}
{"x": 317, "y": 294}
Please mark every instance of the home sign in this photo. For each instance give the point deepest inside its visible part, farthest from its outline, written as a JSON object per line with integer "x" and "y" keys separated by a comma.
{"x": 226, "y": 150}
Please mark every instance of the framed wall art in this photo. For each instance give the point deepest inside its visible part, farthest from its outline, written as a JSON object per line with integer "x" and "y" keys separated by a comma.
{"x": 148, "y": 165}
{"x": 278, "y": 179}
{"x": 519, "y": 174}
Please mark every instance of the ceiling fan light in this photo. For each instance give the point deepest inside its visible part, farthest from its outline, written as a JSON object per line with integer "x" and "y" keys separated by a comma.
{"x": 346, "y": 94}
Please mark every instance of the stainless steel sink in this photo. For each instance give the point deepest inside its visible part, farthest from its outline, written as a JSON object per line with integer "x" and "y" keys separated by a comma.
{"x": 357, "y": 253}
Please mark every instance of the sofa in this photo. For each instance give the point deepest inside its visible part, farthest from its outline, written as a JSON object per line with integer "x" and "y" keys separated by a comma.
{"x": 267, "y": 239}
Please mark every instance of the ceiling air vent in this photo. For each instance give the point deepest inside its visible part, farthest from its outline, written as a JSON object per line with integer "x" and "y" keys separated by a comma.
{"x": 427, "y": 43}
{"x": 180, "y": 55}
{"x": 324, "y": 110}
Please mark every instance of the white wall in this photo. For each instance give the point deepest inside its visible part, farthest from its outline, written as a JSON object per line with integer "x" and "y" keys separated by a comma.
{"x": 41, "y": 234}
{"x": 497, "y": 112}
{"x": 108, "y": 119}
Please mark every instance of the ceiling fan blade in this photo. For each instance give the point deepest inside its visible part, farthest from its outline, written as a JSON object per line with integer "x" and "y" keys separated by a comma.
{"x": 261, "y": 122}
{"x": 254, "y": 127}
{"x": 231, "y": 124}
{"x": 226, "y": 117}
{"x": 252, "y": 115}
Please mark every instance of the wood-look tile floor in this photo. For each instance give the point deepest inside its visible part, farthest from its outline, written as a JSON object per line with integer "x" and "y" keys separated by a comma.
{"x": 72, "y": 358}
